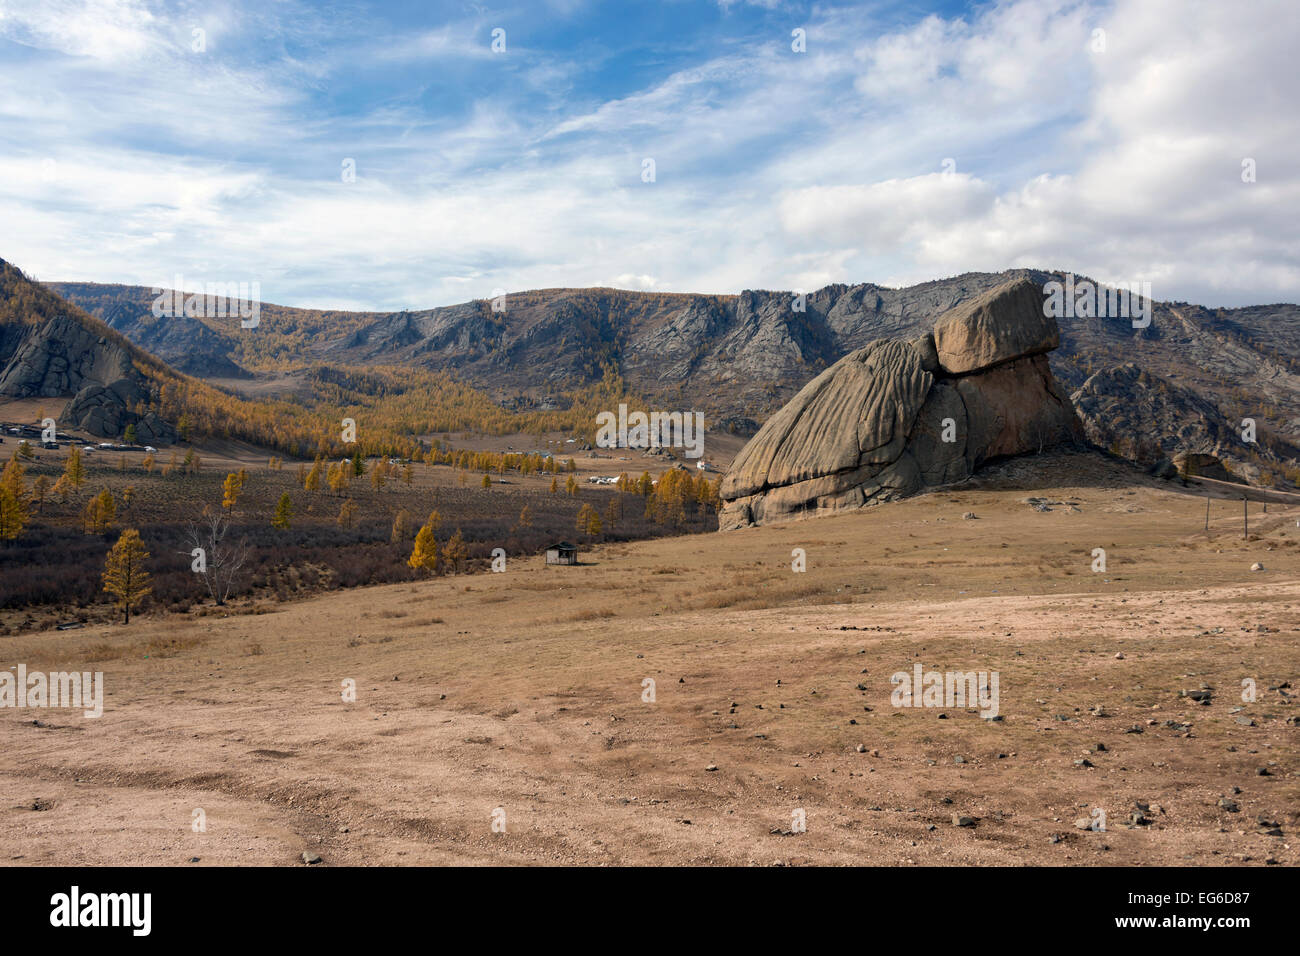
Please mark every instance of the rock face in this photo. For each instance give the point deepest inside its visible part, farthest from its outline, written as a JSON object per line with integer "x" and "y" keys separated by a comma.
{"x": 1148, "y": 419}
{"x": 105, "y": 410}
{"x": 894, "y": 417}
{"x": 61, "y": 355}
{"x": 1003, "y": 324}
{"x": 58, "y": 358}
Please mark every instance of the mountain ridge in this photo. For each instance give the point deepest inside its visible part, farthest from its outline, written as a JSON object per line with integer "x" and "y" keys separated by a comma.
{"x": 739, "y": 357}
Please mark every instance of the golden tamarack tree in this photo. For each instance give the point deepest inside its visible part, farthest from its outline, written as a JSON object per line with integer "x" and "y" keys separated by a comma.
{"x": 14, "y": 513}
{"x": 588, "y": 521}
{"x": 283, "y": 513}
{"x": 424, "y": 556}
{"x": 678, "y": 495}
{"x": 455, "y": 553}
{"x": 232, "y": 488}
{"x": 99, "y": 514}
{"x": 124, "y": 575}
{"x": 13, "y": 516}
{"x": 74, "y": 472}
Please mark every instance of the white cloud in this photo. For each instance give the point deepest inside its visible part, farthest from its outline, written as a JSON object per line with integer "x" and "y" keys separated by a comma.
{"x": 774, "y": 169}
{"x": 629, "y": 281}
{"x": 108, "y": 30}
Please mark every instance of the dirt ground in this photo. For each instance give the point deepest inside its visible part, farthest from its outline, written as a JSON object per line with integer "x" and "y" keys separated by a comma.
{"x": 522, "y": 693}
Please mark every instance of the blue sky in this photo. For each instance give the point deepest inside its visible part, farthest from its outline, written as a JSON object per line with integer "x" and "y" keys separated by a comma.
{"x": 909, "y": 141}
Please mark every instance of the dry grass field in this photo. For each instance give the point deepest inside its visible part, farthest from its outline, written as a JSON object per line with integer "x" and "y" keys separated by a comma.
{"x": 524, "y": 691}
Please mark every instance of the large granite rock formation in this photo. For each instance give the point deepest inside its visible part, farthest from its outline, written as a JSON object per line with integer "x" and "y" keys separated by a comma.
{"x": 59, "y": 357}
{"x": 106, "y": 410}
{"x": 63, "y": 356}
{"x": 894, "y": 417}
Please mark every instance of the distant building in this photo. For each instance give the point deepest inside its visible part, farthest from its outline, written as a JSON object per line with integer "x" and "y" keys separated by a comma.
{"x": 562, "y": 553}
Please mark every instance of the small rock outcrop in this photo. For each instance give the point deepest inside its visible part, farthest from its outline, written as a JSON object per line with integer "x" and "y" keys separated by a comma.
{"x": 105, "y": 410}
{"x": 1146, "y": 418}
{"x": 1202, "y": 465}
{"x": 893, "y": 417}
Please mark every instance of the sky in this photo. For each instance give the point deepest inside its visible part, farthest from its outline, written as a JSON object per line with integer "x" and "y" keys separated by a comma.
{"x": 413, "y": 154}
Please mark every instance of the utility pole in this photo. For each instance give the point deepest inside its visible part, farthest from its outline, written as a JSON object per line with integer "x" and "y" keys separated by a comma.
{"x": 1245, "y": 518}
{"x": 1207, "y": 514}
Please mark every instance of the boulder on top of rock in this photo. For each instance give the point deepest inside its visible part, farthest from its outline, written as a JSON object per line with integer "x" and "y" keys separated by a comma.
{"x": 1005, "y": 323}
{"x": 892, "y": 418}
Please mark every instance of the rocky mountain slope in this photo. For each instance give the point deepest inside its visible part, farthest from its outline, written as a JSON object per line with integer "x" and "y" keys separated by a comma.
{"x": 894, "y": 417}
{"x": 49, "y": 349}
{"x": 740, "y": 358}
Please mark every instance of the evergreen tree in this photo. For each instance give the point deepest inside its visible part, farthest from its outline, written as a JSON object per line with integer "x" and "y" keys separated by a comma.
{"x": 455, "y": 553}
{"x": 231, "y": 489}
{"x": 347, "y": 514}
{"x": 124, "y": 575}
{"x": 99, "y": 514}
{"x": 74, "y": 471}
{"x": 283, "y": 513}
{"x": 13, "y": 516}
{"x": 425, "y": 553}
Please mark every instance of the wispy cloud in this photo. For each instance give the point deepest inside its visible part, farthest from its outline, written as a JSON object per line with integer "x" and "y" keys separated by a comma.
{"x": 901, "y": 146}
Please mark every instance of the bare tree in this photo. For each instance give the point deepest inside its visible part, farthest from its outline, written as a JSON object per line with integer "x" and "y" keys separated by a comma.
{"x": 221, "y": 560}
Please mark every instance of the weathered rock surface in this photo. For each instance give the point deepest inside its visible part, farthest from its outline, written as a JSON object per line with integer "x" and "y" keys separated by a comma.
{"x": 891, "y": 418}
{"x": 58, "y": 358}
{"x": 1004, "y": 323}
{"x": 106, "y": 411}
{"x": 857, "y": 413}
{"x": 49, "y": 350}
{"x": 1146, "y": 418}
